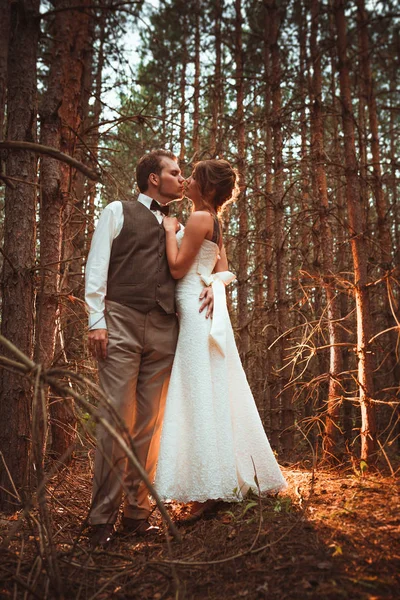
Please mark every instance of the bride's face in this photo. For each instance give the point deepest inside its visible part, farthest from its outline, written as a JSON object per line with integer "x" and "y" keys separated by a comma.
{"x": 192, "y": 189}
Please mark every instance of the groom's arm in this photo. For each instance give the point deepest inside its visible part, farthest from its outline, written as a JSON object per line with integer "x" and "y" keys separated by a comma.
{"x": 109, "y": 225}
{"x": 207, "y": 295}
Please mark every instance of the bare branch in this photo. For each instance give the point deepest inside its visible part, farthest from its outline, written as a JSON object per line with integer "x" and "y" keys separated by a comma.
{"x": 84, "y": 8}
{"x": 40, "y": 149}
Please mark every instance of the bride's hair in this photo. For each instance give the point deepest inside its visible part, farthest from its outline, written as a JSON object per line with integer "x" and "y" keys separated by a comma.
{"x": 216, "y": 175}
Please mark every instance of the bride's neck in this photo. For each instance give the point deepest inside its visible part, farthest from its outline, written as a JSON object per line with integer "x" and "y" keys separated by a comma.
{"x": 201, "y": 205}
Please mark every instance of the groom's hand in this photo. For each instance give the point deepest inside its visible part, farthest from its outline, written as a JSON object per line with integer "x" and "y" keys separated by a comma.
{"x": 207, "y": 295}
{"x": 98, "y": 340}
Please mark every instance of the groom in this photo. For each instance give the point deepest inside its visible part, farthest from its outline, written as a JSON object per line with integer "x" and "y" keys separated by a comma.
{"x": 133, "y": 332}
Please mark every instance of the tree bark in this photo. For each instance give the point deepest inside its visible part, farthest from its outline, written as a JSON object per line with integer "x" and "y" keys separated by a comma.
{"x": 385, "y": 318}
{"x": 4, "y": 41}
{"x": 260, "y": 232}
{"x": 358, "y": 246}
{"x": 305, "y": 224}
{"x": 259, "y": 351}
{"x": 76, "y": 32}
{"x": 94, "y": 127}
{"x": 328, "y": 271}
{"x": 393, "y": 164}
{"x": 385, "y": 241}
{"x": 272, "y": 398}
{"x": 51, "y": 201}
{"x": 19, "y": 249}
{"x": 216, "y": 97}
{"x": 51, "y": 190}
{"x": 80, "y": 193}
{"x": 242, "y": 203}
{"x": 196, "y": 100}
{"x": 342, "y": 257}
{"x": 361, "y": 132}
{"x": 182, "y": 87}
{"x": 305, "y": 159}
{"x": 287, "y": 414}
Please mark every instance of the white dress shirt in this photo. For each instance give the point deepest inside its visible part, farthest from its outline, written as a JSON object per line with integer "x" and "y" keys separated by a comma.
{"x": 108, "y": 228}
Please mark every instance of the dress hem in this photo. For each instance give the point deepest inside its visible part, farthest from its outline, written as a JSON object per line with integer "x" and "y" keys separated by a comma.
{"x": 234, "y": 498}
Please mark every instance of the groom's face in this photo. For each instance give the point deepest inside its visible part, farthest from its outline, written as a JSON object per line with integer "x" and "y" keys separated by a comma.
{"x": 170, "y": 185}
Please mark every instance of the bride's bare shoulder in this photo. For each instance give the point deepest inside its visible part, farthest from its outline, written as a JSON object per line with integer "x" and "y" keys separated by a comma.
{"x": 200, "y": 215}
{"x": 200, "y": 218}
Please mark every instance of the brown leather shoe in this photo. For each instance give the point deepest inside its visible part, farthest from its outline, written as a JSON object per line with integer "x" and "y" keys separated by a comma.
{"x": 138, "y": 526}
{"x": 199, "y": 510}
{"x": 100, "y": 535}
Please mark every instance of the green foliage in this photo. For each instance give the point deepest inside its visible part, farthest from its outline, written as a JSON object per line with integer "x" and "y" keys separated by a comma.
{"x": 283, "y": 505}
{"x": 87, "y": 423}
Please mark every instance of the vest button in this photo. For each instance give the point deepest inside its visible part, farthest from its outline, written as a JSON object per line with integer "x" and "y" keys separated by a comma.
{"x": 158, "y": 285}
{"x": 160, "y": 254}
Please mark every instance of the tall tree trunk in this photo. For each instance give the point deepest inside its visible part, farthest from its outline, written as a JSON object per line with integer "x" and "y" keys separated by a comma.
{"x": 196, "y": 111}
{"x": 363, "y": 160}
{"x": 94, "y": 126}
{"x": 393, "y": 164}
{"x": 77, "y": 38}
{"x": 182, "y": 87}
{"x": 80, "y": 193}
{"x": 4, "y": 41}
{"x": 305, "y": 224}
{"x": 342, "y": 257}
{"x": 358, "y": 246}
{"x": 260, "y": 365}
{"x": 393, "y": 155}
{"x": 216, "y": 93}
{"x": 241, "y": 162}
{"x": 272, "y": 398}
{"x": 19, "y": 250}
{"x": 260, "y": 232}
{"x": 385, "y": 242}
{"x": 287, "y": 414}
{"x": 51, "y": 199}
{"x": 304, "y": 162}
{"x": 381, "y": 203}
{"x": 328, "y": 275}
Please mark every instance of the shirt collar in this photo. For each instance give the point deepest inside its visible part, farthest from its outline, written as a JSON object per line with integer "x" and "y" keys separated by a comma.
{"x": 145, "y": 200}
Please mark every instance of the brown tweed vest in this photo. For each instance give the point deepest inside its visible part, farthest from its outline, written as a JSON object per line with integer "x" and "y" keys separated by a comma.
{"x": 138, "y": 274}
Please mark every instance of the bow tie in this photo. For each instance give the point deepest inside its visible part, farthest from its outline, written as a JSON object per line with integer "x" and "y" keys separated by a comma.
{"x": 155, "y": 206}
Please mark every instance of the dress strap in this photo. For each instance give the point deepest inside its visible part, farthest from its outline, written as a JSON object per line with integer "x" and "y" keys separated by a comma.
{"x": 217, "y": 231}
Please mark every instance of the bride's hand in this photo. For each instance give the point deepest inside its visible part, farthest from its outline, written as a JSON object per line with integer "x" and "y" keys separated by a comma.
{"x": 171, "y": 224}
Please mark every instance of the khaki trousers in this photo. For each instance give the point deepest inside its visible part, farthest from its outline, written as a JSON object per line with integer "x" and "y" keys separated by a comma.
{"x": 134, "y": 377}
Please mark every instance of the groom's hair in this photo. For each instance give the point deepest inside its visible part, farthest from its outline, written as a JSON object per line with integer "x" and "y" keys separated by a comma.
{"x": 151, "y": 163}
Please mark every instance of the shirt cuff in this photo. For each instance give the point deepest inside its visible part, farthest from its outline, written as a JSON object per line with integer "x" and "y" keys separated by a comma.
{"x": 97, "y": 321}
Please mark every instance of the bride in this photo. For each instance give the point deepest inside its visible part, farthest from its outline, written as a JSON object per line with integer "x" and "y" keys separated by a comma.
{"x": 213, "y": 442}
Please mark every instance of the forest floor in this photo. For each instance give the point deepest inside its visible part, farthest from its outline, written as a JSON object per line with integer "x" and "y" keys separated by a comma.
{"x": 331, "y": 535}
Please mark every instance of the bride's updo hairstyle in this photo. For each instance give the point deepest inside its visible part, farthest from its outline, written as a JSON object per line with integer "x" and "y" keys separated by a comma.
{"x": 216, "y": 175}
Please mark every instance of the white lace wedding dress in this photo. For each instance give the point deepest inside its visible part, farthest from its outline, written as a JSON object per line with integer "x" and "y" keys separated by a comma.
{"x": 212, "y": 439}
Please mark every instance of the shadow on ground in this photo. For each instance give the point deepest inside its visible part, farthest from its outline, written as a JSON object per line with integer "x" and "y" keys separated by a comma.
{"x": 331, "y": 537}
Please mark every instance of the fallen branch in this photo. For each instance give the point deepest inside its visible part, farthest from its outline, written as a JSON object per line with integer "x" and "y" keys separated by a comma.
{"x": 28, "y": 367}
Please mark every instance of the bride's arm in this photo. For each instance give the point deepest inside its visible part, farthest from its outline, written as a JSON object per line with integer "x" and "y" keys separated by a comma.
{"x": 181, "y": 259}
